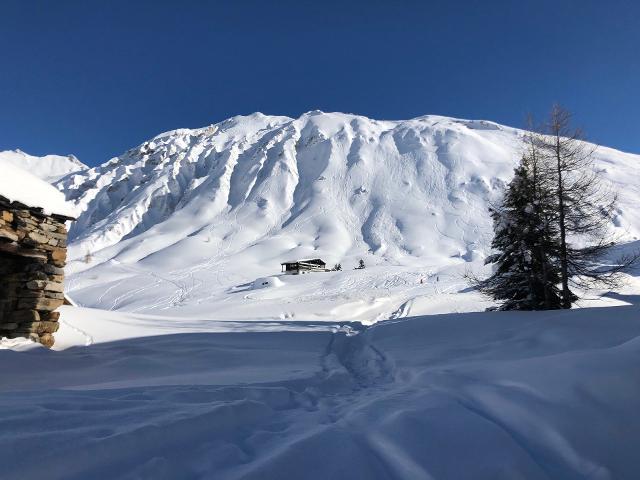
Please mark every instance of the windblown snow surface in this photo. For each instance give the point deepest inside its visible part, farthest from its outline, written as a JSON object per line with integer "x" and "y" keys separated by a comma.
{"x": 457, "y": 396}
{"x": 192, "y": 357}
{"x": 49, "y": 168}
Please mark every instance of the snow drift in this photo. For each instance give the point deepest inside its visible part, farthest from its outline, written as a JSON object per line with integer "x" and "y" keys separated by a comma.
{"x": 19, "y": 185}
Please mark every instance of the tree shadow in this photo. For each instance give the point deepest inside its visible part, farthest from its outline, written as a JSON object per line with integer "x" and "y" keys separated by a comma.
{"x": 630, "y": 299}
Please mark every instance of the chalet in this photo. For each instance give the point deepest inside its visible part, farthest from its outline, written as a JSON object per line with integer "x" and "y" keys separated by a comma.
{"x": 33, "y": 252}
{"x": 304, "y": 266}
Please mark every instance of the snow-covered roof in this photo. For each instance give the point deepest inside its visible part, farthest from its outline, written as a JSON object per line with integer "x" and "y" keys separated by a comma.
{"x": 18, "y": 185}
{"x": 308, "y": 260}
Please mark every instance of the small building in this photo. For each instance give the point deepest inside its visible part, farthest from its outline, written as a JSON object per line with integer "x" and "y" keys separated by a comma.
{"x": 304, "y": 266}
{"x": 33, "y": 252}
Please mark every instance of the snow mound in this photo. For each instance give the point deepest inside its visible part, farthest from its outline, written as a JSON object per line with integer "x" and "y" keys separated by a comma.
{"x": 18, "y": 185}
{"x": 49, "y": 168}
{"x": 267, "y": 282}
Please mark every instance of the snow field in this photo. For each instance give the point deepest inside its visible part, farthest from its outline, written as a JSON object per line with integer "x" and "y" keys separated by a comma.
{"x": 472, "y": 395}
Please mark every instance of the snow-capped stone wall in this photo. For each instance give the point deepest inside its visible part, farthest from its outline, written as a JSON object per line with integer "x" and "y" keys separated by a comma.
{"x": 33, "y": 252}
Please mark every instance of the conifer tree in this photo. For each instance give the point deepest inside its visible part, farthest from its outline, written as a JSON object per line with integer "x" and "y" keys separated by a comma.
{"x": 526, "y": 275}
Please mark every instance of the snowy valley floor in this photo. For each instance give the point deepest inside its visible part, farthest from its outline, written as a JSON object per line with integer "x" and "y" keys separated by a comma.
{"x": 454, "y": 396}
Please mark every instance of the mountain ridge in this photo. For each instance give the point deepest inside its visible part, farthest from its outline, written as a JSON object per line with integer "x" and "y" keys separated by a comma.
{"x": 49, "y": 168}
{"x": 256, "y": 190}
{"x": 268, "y": 132}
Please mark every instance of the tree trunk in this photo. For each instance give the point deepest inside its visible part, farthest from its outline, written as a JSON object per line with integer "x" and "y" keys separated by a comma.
{"x": 545, "y": 279}
{"x": 564, "y": 270}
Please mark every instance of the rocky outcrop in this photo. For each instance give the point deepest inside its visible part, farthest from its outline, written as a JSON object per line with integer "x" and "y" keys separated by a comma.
{"x": 33, "y": 252}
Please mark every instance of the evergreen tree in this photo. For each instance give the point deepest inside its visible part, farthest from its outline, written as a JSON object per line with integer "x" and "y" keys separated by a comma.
{"x": 526, "y": 274}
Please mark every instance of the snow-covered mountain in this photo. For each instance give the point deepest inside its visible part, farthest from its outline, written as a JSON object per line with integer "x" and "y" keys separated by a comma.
{"x": 49, "y": 168}
{"x": 225, "y": 204}
{"x": 327, "y": 184}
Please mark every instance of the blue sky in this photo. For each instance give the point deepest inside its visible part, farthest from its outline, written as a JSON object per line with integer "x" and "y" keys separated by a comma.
{"x": 96, "y": 78}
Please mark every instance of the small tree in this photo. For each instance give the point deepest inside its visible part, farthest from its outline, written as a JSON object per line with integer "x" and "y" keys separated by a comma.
{"x": 360, "y": 264}
{"x": 337, "y": 267}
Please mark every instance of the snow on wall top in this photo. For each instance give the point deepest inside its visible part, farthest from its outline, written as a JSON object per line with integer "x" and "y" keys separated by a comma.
{"x": 18, "y": 185}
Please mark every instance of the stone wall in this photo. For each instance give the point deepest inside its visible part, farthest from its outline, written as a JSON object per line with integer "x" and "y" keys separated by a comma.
{"x": 32, "y": 258}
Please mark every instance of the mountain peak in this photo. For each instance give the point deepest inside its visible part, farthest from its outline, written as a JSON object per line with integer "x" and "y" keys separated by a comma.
{"x": 49, "y": 168}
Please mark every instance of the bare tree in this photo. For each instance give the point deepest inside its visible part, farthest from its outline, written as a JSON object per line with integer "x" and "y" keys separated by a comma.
{"x": 542, "y": 204}
{"x": 584, "y": 207}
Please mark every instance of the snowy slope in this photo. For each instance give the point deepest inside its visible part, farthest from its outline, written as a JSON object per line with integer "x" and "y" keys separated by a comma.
{"x": 329, "y": 184}
{"x": 191, "y": 218}
{"x": 49, "y": 168}
{"x": 499, "y": 395}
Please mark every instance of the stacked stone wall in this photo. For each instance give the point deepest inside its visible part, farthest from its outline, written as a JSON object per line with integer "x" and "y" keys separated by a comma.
{"x": 32, "y": 258}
